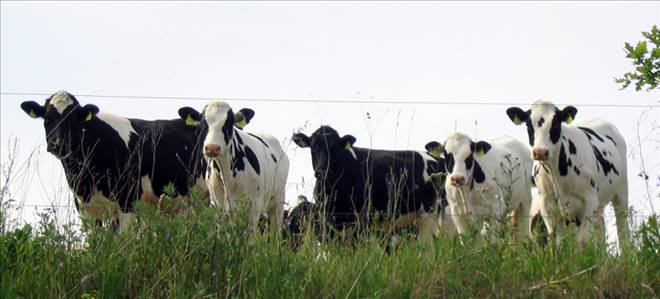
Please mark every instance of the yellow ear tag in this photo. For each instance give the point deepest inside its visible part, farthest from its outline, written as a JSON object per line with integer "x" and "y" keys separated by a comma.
{"x": 435, "y": 152}
{"x": 348, "y": 145}
{"x": 89, "y": 116}
{"x": 517, "y": 120}
{"x": 190, "y": 121}
{"x": 32, "y": 114}
{"x": 481, "y": 153}
{"x": 241, "y": 123}
{"x": 569, "y": 119}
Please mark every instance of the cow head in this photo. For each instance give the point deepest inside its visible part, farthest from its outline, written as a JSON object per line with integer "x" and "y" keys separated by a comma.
{"x": 64, "y": 121}
{"x": 459, "y": 153}
{"x": 217, "y": 120}
{"x": 328, "y": 149}
{"x": 544, "y": 121}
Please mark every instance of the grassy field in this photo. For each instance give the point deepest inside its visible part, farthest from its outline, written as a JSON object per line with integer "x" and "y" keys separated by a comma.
{"x": 205, "y": 255}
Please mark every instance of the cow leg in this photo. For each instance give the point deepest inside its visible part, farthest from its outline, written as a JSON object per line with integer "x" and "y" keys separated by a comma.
{"x": 523, "y": 218}
{"x": 276, "y": 211}
{"x": 459, "y": 219}
{"x": 428, "y": 226}
{"x": 589, "y": 224}
{"x": 620, "y": 207}
{"x": 551, "y": 216}
{"x": 125, "y": 220}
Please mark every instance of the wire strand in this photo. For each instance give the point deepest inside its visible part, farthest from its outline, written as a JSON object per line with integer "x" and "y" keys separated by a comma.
{"x": 330, "y": 101}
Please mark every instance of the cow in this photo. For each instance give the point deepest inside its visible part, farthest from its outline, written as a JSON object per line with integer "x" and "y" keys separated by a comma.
{"x": 111, "y": 161}
{"x": 582, "y": 168}
{"x": 355, "y": 185}
{"x": 301, "y": 218}
{"x": 486, "y": 181}
{"x": 241, "y": 164}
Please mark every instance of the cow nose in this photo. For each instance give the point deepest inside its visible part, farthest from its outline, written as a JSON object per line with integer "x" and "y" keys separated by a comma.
{"x": 540, "y": 154}
{"x": 212, "y": 150}
{"x": 457, "y": 180}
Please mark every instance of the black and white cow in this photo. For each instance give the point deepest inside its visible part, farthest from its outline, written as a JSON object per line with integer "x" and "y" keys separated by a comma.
{"x": 353, "y": 184}
{"x": 241, "y": 164}
{"x": 111, "y": 161}
{"x": 582, "y": 168}
{"x": 486, "y": 181}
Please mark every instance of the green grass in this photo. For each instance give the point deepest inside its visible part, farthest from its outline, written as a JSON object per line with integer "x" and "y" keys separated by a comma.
{"x": 205, "y": 255}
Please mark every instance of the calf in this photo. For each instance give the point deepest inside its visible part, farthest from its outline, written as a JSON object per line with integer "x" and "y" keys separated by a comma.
{"x": 111, "y": 161}
{"x": 353, "y": 184}
{"x": 582, "y": 167}
{"x": 241, "y": 164}
{"x": 486, "y": 181}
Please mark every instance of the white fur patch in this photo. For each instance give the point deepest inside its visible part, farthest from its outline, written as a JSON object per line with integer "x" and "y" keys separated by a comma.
{"x": 60, "y": 101}
{"x": 146, "y": 185}
{"x": 120, "y": 124}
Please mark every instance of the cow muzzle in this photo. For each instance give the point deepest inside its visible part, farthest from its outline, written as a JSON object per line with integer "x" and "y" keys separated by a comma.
{"x": 540, "y": 154}
{"x": 458, "y": 180}
{"x": 211, "y": 150}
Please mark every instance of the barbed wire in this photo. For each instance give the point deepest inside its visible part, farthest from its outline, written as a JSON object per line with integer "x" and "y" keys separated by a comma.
{"x": 333, "y": 101}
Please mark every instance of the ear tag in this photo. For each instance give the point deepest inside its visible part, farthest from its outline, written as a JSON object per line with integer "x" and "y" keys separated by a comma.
{"x": 435, "y": 152}
{"x": 348, "y": 145}
{"x": 32, "y": 114}
{"x": 241, "y": 123}
{"x": 569, "y": 119}
{"x": 190, "y": 121}
{"x": 517, "y": 120}
{"x": 481, "y": 153}
{"x": 89, "y": 116}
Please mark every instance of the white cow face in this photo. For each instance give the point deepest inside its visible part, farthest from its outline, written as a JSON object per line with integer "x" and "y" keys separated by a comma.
{"x": 459, "y": 152}
{"x": 543, "y": 122}
{"x": 217, "y": 121}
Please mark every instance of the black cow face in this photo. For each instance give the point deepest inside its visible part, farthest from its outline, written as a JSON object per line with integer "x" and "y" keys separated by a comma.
{"x": 328, "y": 150}
{"x": 64, "y": 121}
{"x": 459, "y": 153}
{"x": 543, "y": 123}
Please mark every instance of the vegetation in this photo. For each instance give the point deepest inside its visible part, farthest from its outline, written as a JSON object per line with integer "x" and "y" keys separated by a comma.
{"x": 200, "y": 254}
{"x": 646, "y": 61}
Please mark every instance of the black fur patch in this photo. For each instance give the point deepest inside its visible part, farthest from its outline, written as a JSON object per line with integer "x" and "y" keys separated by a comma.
{"x": 606, "y": 164}
{"x": 228, "y": 126}
{"x": 555, "y": 128}
{"x": 570, "y": 162}
{"x": 563, "y": 162}
{"x": 478, "y": 174}
{"x": 468, "y": 162}
{"x": 611, "y": 139}
{"x": 259, "y": 138}
{"x": 274, "y": 159}
{"x": 541, "y": 121}
{"x": 571, "y": 147}
{"x": 592, "y": 183}
{"x": 449, "y": 160}
{"x": 577, "y": 170}
{"x": 252, "y": 158}
{"x": 530, "y": 132}
{"x": 590, "y": 132}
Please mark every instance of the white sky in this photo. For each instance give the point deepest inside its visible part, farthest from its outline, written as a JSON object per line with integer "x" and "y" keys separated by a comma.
{"x": 437, "y": 51}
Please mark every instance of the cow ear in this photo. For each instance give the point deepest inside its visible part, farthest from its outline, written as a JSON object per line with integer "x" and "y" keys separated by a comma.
{"x": 434, "y": 148}
{"x": 33, "y": 109}
{"x": 568, "y": 114}
{"x": 348, "y": 141}
{"x": 88, "y": 112}
{"x": 517, "y": 115}
{"x": 481, "y": 148}
{"x": 190, "y": 115}
{"x": 300, "y": 139}
{"x": 243, "y": 117}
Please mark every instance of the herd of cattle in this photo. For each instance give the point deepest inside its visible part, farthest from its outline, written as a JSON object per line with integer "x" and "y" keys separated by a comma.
{"x": 454, "y": 186}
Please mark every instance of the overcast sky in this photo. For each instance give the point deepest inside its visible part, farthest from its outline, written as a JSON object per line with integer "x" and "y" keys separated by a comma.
{"x": 507, "y": 52}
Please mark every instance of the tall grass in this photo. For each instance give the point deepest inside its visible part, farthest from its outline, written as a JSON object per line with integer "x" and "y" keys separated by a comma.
{"x": 201, "y": 253}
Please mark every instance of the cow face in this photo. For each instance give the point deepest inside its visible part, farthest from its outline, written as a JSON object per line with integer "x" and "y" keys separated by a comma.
{"x": 328, "y": 149}
{"x": 217, "y": 121}
{"x": 459, "y": 153}
{"x": 543, "y": 121}
{"x": 64, "y": 121}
